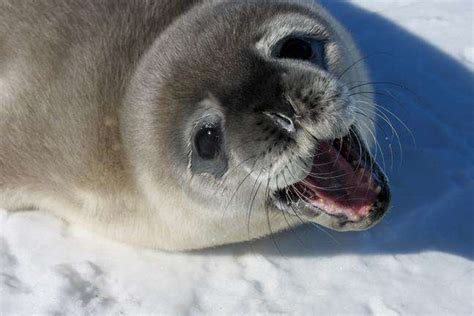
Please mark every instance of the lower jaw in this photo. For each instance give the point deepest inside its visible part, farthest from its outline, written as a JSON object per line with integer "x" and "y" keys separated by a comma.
{"x": 338, "y": 222}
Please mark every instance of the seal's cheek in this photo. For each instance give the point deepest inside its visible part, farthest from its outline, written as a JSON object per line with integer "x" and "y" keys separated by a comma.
{"x": 208, "y": 151}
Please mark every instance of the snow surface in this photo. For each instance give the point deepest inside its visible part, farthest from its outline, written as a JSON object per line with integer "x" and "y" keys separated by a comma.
{"x": 419, "y": 261}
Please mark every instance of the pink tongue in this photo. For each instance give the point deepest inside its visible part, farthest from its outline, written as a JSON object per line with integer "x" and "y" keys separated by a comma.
{"x": 337, "y": 187}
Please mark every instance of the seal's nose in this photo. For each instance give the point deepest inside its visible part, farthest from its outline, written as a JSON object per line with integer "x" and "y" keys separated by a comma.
{"x": 282, "y": 121}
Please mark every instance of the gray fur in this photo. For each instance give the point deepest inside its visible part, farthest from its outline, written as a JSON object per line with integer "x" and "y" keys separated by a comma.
{"x": 98, "y": 100}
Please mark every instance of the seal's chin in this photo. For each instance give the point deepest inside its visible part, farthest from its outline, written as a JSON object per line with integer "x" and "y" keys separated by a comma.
{"x": 345, "y": 189}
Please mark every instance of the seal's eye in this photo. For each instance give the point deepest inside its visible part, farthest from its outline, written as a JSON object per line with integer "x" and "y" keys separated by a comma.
{"x": 208, "y": 154}
{"x": 208, "y": 142}
{"x": 296, "y": 48}
{"x": 300, "y": 48}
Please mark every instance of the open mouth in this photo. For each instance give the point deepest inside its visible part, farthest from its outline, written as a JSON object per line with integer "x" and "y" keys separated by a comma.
{"x": 345, "y": 189}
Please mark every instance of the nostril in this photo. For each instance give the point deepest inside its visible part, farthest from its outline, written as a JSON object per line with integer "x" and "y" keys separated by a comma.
{"x": 282, "y": 121}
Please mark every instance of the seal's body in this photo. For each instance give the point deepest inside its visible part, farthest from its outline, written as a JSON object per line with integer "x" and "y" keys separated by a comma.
{"x": 183, "y": 124}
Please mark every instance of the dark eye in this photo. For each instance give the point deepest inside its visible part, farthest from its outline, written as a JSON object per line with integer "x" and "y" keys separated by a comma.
{"x": 296, "y": 48}
{"x": 208, "y": 142}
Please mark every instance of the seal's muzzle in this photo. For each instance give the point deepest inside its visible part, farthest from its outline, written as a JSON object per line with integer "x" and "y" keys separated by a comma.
{"x": 345, "y": 185}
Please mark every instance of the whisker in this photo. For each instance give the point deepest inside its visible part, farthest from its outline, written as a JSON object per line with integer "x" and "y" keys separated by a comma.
{"x": 252, "y": 202}
{"x": 384, "y": 118}
{"x": 386, "y": 83}
{"x": 240, "y": 184}
{"x": 400, "y": 121}
{"x": 359, "y": 61}
{"x": 378, "y": 125}
{"x": 288, "y": 224}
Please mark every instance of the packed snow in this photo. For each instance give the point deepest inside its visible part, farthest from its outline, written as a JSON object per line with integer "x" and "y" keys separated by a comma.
{"x": 418, "y": 261}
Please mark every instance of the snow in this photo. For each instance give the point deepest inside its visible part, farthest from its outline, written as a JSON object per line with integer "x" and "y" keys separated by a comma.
{"x": 418, "y": 261}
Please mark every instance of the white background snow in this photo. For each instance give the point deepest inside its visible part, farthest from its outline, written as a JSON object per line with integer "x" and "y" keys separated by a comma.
{"x": 419, "y": 261}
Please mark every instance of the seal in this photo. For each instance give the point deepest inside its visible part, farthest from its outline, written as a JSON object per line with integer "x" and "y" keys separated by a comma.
{"x": 186, "y": 124}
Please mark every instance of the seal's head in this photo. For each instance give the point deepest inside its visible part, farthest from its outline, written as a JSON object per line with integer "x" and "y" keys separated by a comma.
{"x": 241, "y": 121}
